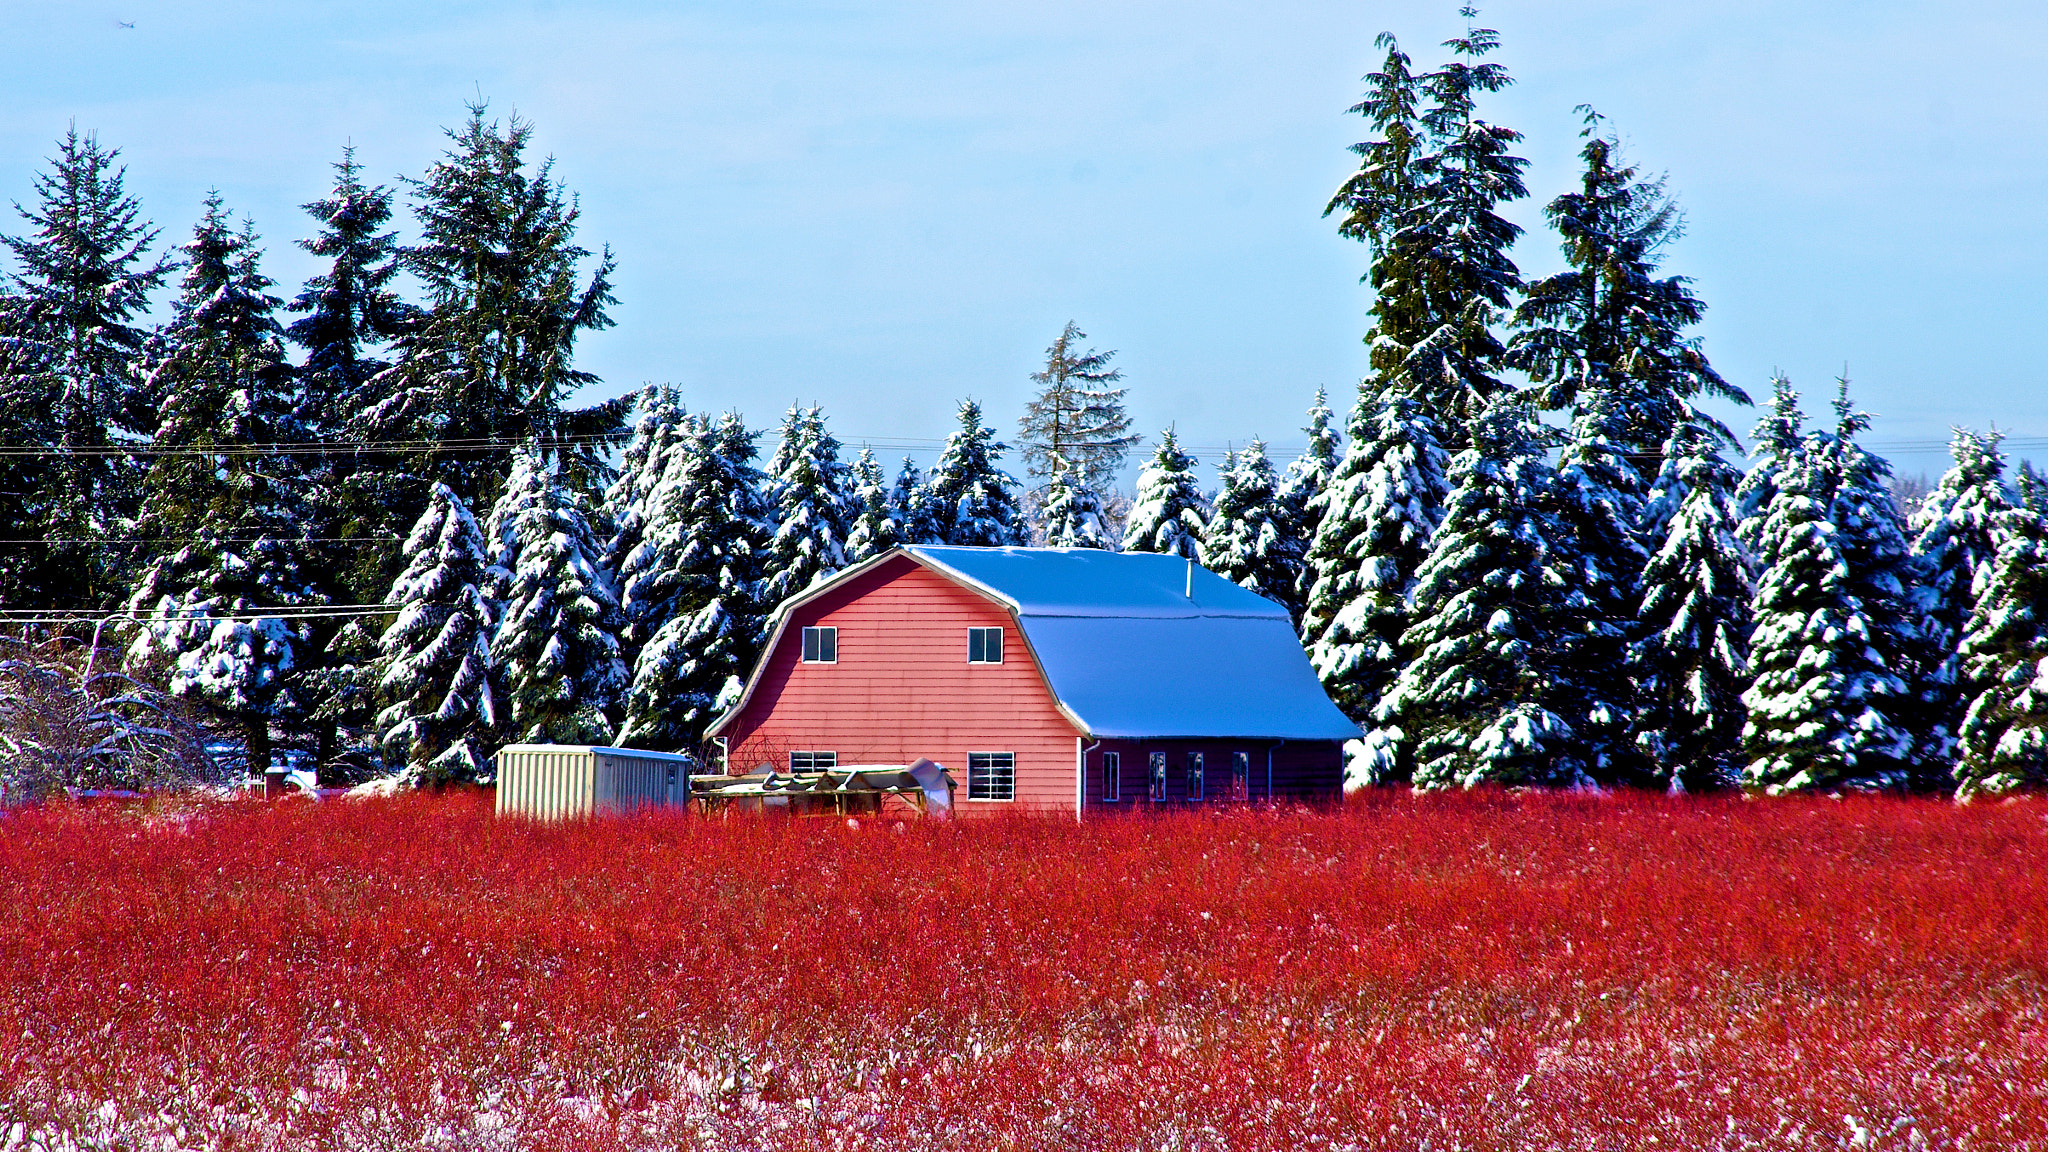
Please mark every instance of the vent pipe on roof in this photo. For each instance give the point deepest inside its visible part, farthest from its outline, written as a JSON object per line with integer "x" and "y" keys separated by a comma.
{"x": 1191, "y": 578}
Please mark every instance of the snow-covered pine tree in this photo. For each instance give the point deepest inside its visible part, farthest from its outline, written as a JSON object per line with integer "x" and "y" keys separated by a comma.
{"x": 1247, "y": 540}
{"x": 813, "y": 507}
{"x": 82, "y": 279}
{"x": 351, "y": 311}
{"x": 966, "y": 499}
{"x": 1691, "y": 659}
{"x": 1956, "y": 534}
{"x": 556, "y": 646}
{"x": 1168, "y": 514}
{"x": 1609, "y": 326}
{"x": 1381, "y": 509}
{"x": 1780, "y": 448}
{"x": 908, "y": 507}
{"x": 2029, "y": 488}
{"x": 1072, "y": 513}
{"x": 2004, "y": 665}
{"x": 1426, "y": 200}
{"x": 707, "y": 535}
{"x": 434, "y": 667}
{"x": 650, "y": 580}
{"x": 1833, "y": 643}
{"x": 1485, "y": 692}
{"x": 657, "y": 425}
{"x": 1303, "y": 497}
{"x": 876, "y": 526}
{"x": 1075, "y": 428}
{"x": 229, "y": 526}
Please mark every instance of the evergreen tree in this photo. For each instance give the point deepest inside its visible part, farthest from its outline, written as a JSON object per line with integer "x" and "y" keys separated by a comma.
{"x": 2004, "y": 664}
{"x": 877, "y": 525}
{"x": 1692, "y": 659}
{"x": 1303, "y": 497}
{"x": 1609, "y": 330}
{"x": 434, "y": 665}
{"x": 657, "y": 428}
{"x": 1485, "y": 695}
{"x": 1956, "y": 534}
{"x": 351, "y": 311}
{"x": 556, "y": 646}
{"x": 1425, "y": 199}
{"x": 1168, "y": 514}
{"x": 708, "y": 531}
{"x": 650, "y": 578}
{"x": 1076, "y": 422}
{"x": 908, "y": 507}
{"x": 229, "y": 524}
{"x": 1833, "y": 640}
{"x": 1381, "y": 509}
{"x": 70, "y": 342}
{"x": 967, "y": 500}
{"x": 813, "y": 508}
{"x": 492, "y": 357}
{"x": 1780, "y": 449}
{"x": 2029, "y": 489}
{"x": 1247, "y": 539}
{"x": 1072, "y": 513}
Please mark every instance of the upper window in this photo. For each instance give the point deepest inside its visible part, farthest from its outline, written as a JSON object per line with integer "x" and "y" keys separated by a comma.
{"x": 984, "y": 645}
{"x": 813, "y": 761}
{"x": 821, "y": 645}
{"x": 991, "y": 775}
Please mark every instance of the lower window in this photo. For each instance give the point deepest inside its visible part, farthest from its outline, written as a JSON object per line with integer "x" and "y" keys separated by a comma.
{"x": 991, "y": 775}
{"x": 1240, "y": 775}
{"x": 1195, "y": 776}
{"x": 1112, "y": 777}
{"x": 812, "y": 761}
{"x": 1159, "y": 776}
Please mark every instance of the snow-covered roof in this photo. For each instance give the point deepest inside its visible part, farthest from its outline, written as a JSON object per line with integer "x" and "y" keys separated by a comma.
{"x": 1137, "y": 645}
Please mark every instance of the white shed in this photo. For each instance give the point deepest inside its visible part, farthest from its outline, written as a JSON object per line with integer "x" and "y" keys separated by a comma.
{"x": 555, "y": 781}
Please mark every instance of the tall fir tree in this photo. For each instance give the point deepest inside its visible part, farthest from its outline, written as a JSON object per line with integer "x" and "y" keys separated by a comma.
{"x": 1957, "y": 531}
{"x": 2004, "y": 665}
{"x": 813, "y": 507}
{"x": 1833, "y": 646}
{"x": 1303, "y": 497}
{"x": 1075, "y": 423}
{"x": 966, "y": 499}
{"x": 1486, "y": 692}
{"x": 1608, "y": 331}
{"x": 1780, "y": 449}
{"x": 228, "y": 524}
{"x": 1426, "y": 200}
{"x": 1168, "y": 513}
{"x": 1691, "y": 660}
{"x": 877, "y": 520}
{"x": 492, "y": 357}
{"x": 556, "y": 646}
{"x": 1248, "y": 539}
{"x": 434, "y": 668}
{"x": 83, "y": 278}
{"x": 707, "y": 534}
{"x": 1381, "y": 510}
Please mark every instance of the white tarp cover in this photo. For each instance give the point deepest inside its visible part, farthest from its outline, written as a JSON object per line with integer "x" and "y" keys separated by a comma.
{"x": 1130, "y": 653}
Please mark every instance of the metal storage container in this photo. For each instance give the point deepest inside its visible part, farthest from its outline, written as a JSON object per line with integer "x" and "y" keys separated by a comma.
{"x": 557, "y": 781}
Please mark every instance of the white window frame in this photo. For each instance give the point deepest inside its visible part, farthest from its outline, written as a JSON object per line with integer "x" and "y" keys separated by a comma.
{"x": 1197, "y": 778}
{"x": 822, "y": 632}
{"x": 813, "y": 761}
{"x": 1241, "y": 781}
{"x": 982, "y": 634}
{"x": 990, "y": 768}
{"x": 1112, "y": 777}
{"x": 1156, "y": 782}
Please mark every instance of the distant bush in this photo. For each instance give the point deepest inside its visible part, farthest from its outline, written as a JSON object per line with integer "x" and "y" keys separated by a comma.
{"x": 68, "y": 722}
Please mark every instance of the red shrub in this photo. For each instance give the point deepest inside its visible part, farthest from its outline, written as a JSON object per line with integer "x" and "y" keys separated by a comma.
{"x": 1481, "y": 972}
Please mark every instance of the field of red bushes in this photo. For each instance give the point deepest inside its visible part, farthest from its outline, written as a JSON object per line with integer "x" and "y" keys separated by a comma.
{"x": 1440, "y": 972}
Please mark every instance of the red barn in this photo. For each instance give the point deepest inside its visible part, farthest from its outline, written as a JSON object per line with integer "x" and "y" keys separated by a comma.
{"x": 1048, "y": 679}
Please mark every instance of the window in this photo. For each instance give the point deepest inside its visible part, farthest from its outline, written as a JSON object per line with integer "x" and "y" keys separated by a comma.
{"x": 1240, "y": 775}
{"x": 1112, "y": 777}
{"x": 1159, "y": 776}
{"x": 984, "y": 645}
{"x": 992, "y": 775}
{"x": 821, "y": 645}
{"x": 812, "y": 761}
{"x": 1194, "y": 776}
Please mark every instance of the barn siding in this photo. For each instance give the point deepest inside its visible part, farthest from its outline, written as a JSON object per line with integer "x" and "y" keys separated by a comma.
{"x": 903, "y": 689}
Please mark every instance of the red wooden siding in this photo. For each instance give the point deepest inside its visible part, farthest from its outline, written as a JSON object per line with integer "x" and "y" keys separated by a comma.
{"x": 903, "y": 689}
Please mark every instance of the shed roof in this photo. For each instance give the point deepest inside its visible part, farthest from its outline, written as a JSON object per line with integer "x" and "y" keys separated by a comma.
{"x": 1142, "y": 646}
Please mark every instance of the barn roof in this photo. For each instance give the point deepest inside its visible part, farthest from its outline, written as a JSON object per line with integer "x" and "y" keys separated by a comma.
{"x": 1141, "y": 646}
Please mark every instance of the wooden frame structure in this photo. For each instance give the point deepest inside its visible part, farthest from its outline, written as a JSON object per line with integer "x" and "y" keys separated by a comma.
{"x": 920, "y": 789}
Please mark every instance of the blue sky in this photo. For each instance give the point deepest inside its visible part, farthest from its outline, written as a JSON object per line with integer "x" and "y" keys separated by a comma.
{"x": 886, "y": 207}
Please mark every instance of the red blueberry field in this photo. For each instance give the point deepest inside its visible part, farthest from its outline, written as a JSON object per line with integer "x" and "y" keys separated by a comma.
{"x": 1437, "y": 972}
